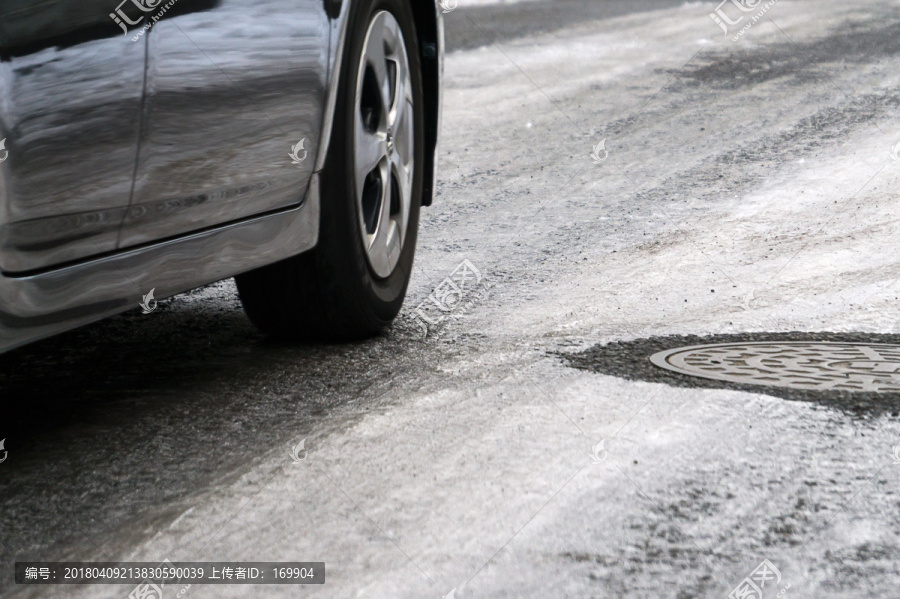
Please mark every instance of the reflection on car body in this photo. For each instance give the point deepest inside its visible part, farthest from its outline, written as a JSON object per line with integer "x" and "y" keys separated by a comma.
{"x": 164, "y": 162}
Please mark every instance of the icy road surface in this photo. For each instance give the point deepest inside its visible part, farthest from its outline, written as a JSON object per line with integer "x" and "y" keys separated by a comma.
{"x": 743, "y": 186}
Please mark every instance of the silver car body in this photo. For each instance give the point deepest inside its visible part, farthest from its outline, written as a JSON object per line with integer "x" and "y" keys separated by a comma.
{"x": 160, "y": 159}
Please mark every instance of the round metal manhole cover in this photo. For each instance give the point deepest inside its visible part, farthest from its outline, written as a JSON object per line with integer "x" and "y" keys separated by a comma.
{"x": 816, "y": 366}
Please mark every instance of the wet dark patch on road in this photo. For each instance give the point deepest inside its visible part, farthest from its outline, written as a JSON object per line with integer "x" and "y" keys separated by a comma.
{"x": 631, "y": 360}
{"x": 106, "y": 423}
{"x": 803, "y": 62}
{"x": 474, "y": 26}
{"x": 853, "y": 566}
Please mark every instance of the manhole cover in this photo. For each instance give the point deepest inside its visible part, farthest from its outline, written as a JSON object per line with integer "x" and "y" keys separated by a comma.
{"x": 817, "y": 366}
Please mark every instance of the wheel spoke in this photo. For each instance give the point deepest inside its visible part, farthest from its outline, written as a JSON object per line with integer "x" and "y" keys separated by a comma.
{"x": 382, "y": 241}
{"x": 402, "y": 174}
{"x": 403, "y": 129}
{"x": 375, "y": 58}
{"x": 397, "y": 56}
{"x": 369, "y": 151}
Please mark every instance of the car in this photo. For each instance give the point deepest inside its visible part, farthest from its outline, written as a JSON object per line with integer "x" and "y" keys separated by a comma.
{"x": 148, "y": 148}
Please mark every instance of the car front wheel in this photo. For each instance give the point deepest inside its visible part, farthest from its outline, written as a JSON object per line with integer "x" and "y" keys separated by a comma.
{"x": 353, "y": 283}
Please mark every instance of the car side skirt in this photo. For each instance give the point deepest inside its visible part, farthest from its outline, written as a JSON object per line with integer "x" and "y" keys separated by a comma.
{"x": 40, "y": 305}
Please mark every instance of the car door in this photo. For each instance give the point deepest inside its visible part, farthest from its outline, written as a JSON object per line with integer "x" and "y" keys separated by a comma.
{"x": 233, "y": 87}
{"x": 70, "y": 106}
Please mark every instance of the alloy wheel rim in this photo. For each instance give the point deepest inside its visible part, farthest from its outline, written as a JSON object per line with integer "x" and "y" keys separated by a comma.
{"x": 383, "y": 127}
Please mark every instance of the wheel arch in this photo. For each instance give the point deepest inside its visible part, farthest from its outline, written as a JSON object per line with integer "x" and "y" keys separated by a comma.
{"x": 429, "y": 22}
{"x": 430, "y": 33}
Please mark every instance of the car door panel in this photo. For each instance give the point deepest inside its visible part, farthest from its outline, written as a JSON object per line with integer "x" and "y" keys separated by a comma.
{"x": 230, "y": 89}
{"x": 70, "y": 106}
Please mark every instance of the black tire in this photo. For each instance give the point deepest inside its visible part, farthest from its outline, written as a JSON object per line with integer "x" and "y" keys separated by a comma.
{"x": 331, "y": 293}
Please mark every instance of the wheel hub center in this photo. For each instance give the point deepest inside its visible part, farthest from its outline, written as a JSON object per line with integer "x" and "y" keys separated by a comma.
{"x": 390, "y": 142}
